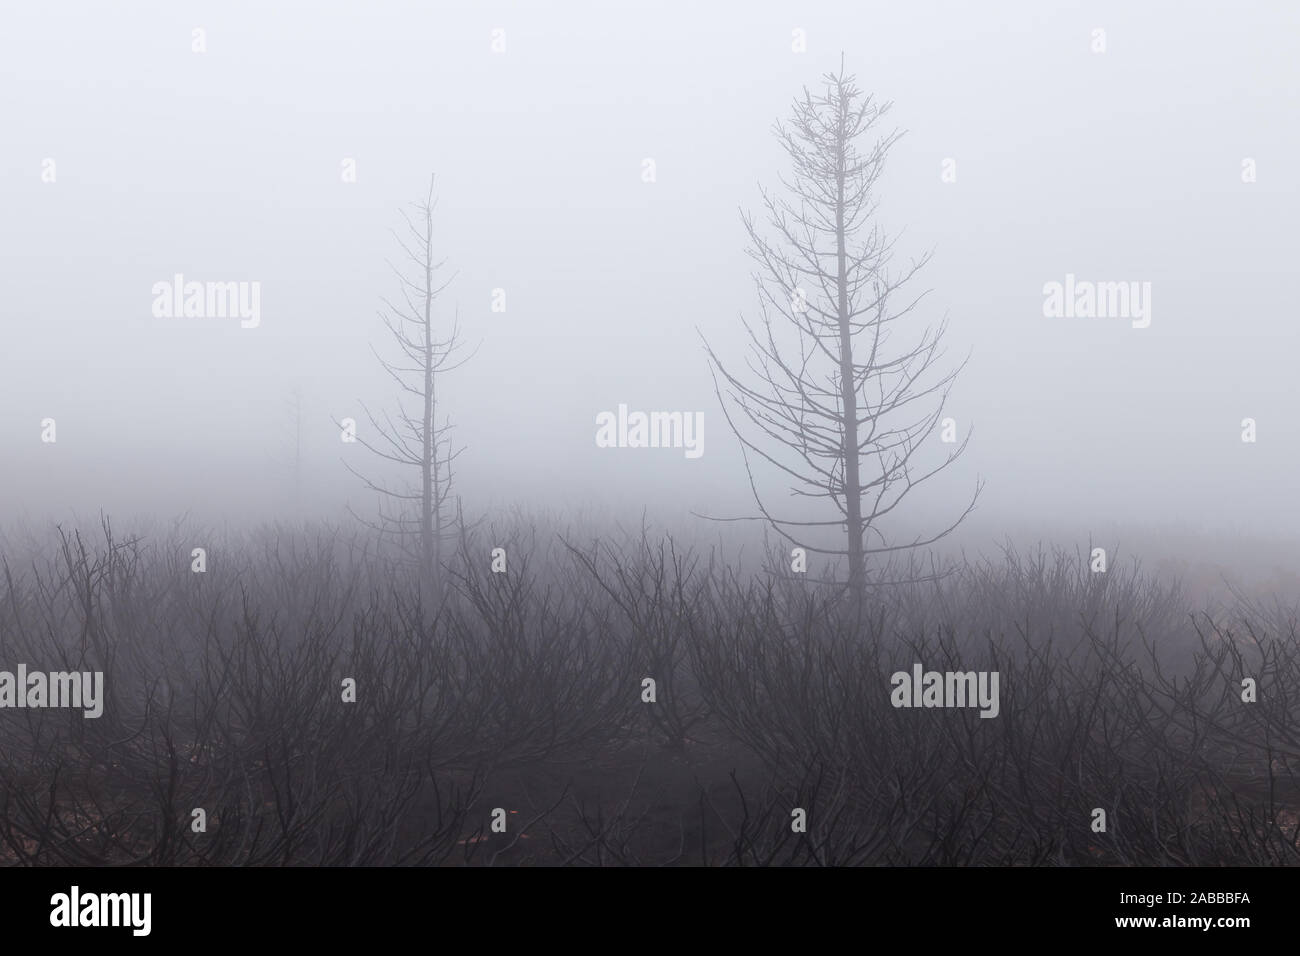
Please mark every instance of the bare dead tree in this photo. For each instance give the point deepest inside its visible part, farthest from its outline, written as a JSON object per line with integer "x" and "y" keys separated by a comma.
{"x": 423, "y": 515}
{"x": 837, "y": 406}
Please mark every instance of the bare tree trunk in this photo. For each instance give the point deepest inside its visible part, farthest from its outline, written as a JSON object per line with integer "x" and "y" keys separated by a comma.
{"x": 848, "y": 392}
{"x": 428, "y": 459}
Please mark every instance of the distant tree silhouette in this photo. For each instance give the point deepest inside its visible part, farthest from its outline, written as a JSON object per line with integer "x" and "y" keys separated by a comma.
{"x": 421, "y": 517}
{"x": 295, "y": 410}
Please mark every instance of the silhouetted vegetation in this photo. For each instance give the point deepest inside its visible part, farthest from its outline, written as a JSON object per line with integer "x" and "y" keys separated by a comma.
{"x": 523, "y": 691}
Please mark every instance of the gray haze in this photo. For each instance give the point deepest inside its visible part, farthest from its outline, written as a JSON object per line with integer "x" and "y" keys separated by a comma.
{"x": 225, "y": 165}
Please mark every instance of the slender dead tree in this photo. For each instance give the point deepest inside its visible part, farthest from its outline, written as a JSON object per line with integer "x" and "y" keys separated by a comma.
{"x": 423, "y": 514}
{"x": 834, "y": 400}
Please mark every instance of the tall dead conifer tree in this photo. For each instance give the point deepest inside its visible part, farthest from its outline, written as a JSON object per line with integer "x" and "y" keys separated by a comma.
{"x": 420, "y": 517}
{"x": 838, "y": 409}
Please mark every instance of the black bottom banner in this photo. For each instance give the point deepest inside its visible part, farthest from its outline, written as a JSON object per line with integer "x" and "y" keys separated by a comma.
{"x": 340, "y": 906}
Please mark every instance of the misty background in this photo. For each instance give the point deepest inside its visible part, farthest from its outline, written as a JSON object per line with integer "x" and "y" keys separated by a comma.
{"x": 225, "y": 166}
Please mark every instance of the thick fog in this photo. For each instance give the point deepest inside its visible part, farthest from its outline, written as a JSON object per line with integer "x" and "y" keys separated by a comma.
{"x": 128, "y": 157}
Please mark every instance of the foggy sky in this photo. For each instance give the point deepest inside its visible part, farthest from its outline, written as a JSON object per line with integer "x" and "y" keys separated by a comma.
{"x": 1121, "y": 166}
